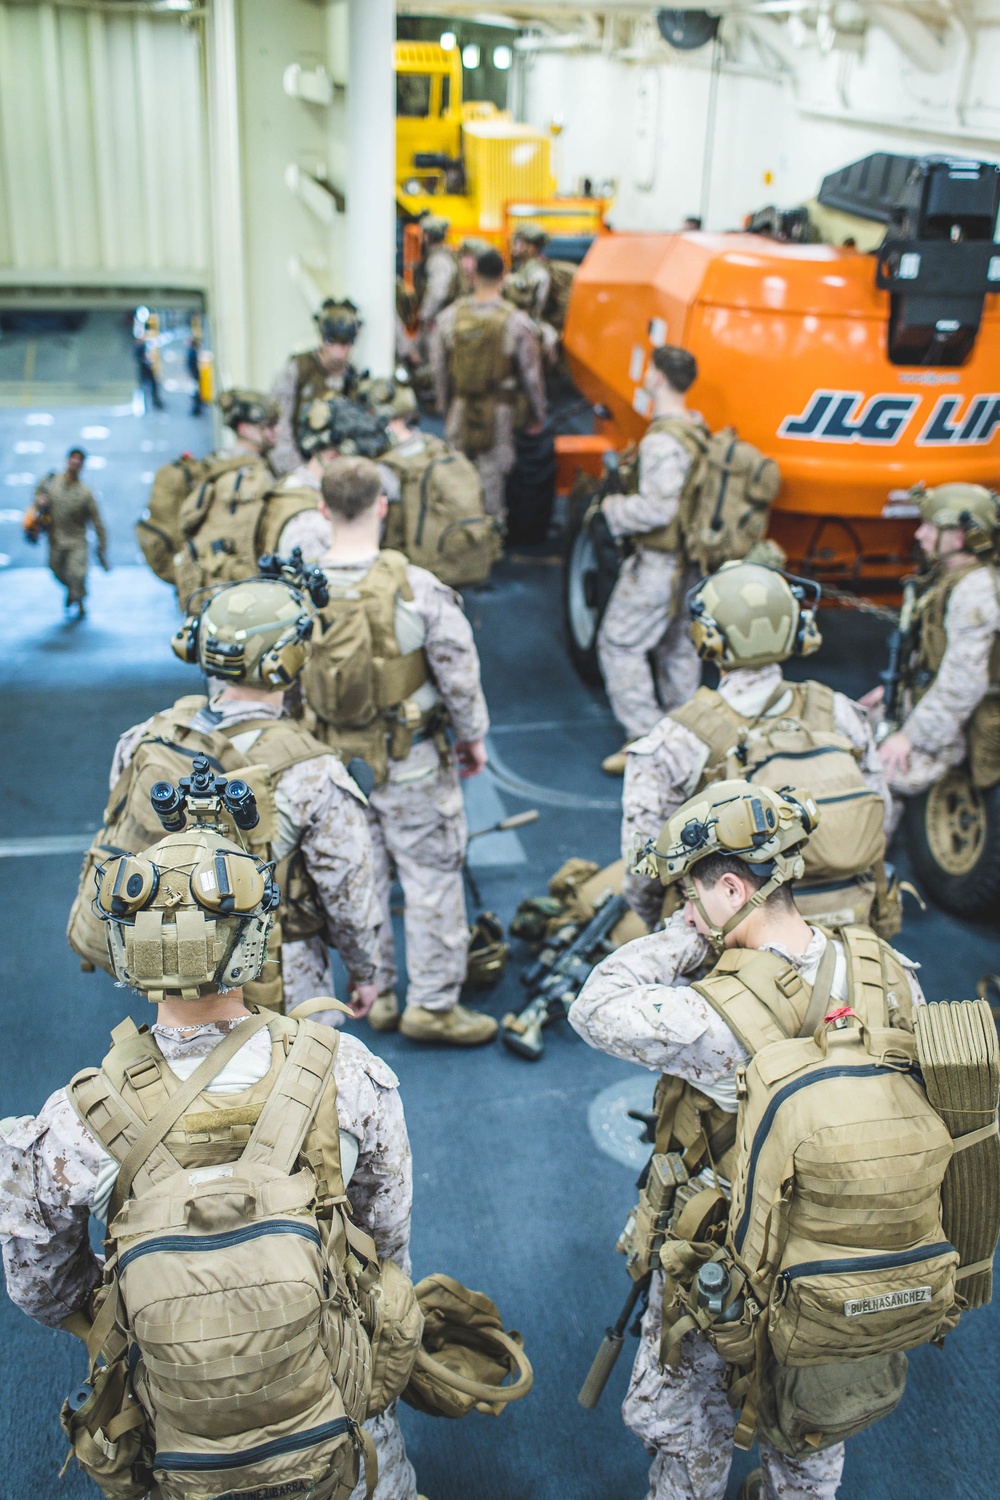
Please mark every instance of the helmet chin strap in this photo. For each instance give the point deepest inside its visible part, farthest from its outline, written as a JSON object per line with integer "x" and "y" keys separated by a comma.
{"x": 717, "y": 935}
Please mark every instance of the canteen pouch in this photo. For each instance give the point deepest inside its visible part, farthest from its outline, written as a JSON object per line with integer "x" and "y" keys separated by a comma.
{"x": 109, "y": 1434}
{"x": 394, "y": 1322}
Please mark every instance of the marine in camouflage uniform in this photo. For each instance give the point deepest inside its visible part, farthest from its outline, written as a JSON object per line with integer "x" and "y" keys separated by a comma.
{"x": 70, "y": 508}
{"x": 438, "y": 278}
{"x": 665, "y": 767}
{"x": 646, "y": 656}
{"x": 323, "y": 371}
{"x": 959, "y": 640}
{"x": 416, "y": 816}
{"x": 521, "y": 349}
{"x": 639, "y": 1005}
{"x": 53, "y": 1175}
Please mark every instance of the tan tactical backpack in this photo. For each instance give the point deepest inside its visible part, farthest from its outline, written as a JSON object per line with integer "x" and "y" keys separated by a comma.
{"x": 244, "y": 1328}
{"x": 726, "y": 500}
{"x": 479, "y": 369}
{"x": 848, "y": 1236}
{"x": 440, "y": 523}
{"x": 158, "y": 530}
{"x": 844, "y": 859}
{"x": 130, "y": 825}
{"x": 561, "y": 274}
{"x": 229, "y": 523}
{"x": 356, "y": 681}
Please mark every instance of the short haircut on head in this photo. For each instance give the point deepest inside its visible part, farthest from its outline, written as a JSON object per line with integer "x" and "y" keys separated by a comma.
{"x": 711, "y": 869}
{"x": 350, "y": 486}
{"x": 76, "y": 450}
{"x": 489, "y": 265}
{"x": 677, "y": 366}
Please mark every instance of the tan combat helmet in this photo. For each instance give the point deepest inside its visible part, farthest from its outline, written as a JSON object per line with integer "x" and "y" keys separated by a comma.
{"x": 256, "y": 632}
{"x": 531, "y": 234}
{"x": 434, "y": 228}
{"x": 764, "y": 828}
{"x": 750, "y": 615}
{"x": 239, "y": 405}
{"x": 390, "y": 400}
{"x": 335, "y": 422}
{"x": 190, "y": 915}
{"x": 971, "y": 507}
{"x": 338, "y": 321}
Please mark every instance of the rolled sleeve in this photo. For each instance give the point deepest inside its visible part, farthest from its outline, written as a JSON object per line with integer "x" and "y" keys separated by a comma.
{"x": 370, "y": 1109}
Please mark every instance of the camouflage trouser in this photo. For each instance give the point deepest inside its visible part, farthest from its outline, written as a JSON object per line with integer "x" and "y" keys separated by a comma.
{"x": 68, "y": 561}
{"x": 419, "y": 827}
{"x": 496, "y": 463}
{"x": 643, "y": 644}
{"x": 686, "y": 1425}
{"x": 305, "y": 970}
{"x": 396, "y": 1479}
{"x": 922, "y": 772}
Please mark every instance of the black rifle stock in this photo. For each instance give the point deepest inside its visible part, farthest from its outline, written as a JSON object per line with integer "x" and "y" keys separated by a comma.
{"x": 557, "y": 978}
{"x": 896, "y": 677}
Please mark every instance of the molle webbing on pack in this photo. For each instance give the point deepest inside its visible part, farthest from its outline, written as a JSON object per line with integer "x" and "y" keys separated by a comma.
{"x": 960, "y": 1064}
{"x": 932, "y": 606}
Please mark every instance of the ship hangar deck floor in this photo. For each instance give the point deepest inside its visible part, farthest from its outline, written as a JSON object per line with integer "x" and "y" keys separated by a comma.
{"x": 512, "y": 1192}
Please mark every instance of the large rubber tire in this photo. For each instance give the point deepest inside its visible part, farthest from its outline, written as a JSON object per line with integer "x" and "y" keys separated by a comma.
{"x": 531, "y": 488}
{"x": 591, "y": 561}
{"x": 953, "y": 836}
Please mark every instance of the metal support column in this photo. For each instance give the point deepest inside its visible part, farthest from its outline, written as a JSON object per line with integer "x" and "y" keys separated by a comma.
{"x": 371, "y": 147}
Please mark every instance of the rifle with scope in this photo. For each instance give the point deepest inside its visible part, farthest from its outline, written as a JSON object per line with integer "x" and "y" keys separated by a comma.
{"x": 558, "y": 975}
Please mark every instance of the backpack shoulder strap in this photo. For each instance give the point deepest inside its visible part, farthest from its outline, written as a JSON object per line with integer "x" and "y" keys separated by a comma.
{"x": 869, "y": 963}
{"x": 281, "y": 744}
{"x": 710, "y": 717}
{"x": 392, "y": 566}
{"x": 694, "y": 436}
{"x": 290, "y": 1108}
{"x": 760, "y": 997}
{"x": 814, "y": 705}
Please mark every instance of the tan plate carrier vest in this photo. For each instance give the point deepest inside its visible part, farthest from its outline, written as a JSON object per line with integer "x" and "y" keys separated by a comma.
{"x": 312, "y": 383}
{"x": 862, "y": 897}
{"x": 694, "y": 436}
{"x": 282, "y": 1136}
{"x": 482, "y": 373}
{"x": 983, "y": 729}
{"x": 229, "y": 523}
{"x": 357, "y": 682}
{"x": 279, "y": 745}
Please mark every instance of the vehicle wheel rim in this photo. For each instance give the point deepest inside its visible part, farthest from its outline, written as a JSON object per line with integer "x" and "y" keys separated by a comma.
{"x": 580, "y": 584}
{"x": 956, "y": 824}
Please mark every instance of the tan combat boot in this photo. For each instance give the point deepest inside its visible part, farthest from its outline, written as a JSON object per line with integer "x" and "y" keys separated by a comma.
{"x": 458, "y": 1027}
{"x": 614, "y": 765}
{"x": 384, "y": 1014}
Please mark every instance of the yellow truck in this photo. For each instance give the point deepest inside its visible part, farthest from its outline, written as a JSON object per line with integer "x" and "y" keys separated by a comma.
{"x": 469, "y": 162}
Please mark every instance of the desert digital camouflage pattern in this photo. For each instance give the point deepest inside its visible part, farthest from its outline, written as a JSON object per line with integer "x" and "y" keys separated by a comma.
{"x": 71, "y": 509}
{"x": 319, "y": 810}
{"x": 521, "y": 345}
{"x": 664, "y": 767}
{"x": 642, "y": 616}
{"x": 53, "y": 1173}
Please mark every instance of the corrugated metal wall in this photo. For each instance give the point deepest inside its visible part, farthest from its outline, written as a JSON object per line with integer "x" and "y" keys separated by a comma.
{"x": 103, "y": 162}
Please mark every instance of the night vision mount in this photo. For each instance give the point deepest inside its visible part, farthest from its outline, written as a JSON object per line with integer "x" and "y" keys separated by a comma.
{"x": 204, "y": 796}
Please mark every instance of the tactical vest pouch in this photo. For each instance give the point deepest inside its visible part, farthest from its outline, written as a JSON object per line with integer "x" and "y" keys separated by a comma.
{"x": 725, "y": 511}
{"x": 802, "y": 1411}
{"x": 984, "y": 742}
{"x": 109, "y": 1433}
{"x": 394, "y": 1323}
{"x": 466, "y": 1360}
{"x": 960, "y": 1063}
{"x": 649, "y": 1221}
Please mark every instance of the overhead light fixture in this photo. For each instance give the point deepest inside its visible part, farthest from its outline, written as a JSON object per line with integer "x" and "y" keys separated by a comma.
{"x": 448, "y": 40}
{"x": 502, "y": 58}
{"x": 470, "y": 56}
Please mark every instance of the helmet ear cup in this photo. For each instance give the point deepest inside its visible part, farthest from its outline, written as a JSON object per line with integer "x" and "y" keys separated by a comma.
{"x": 281, "y": 663}
{"x": 709, "y": 642}
{"x": 126, "y": 885}
{"x": 228, "y": 884}
{"x": 807, "y": 637}
{"x": 185, "y": 642}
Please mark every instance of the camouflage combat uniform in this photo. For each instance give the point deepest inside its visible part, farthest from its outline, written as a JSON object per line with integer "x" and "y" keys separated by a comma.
{"x": 71, "y": 508}
{"x": 521, "y": 345}
{"x": 53, "y": 1174}
{"x": 635, "y": 1005}
{"x": 662, "y": 770}
{"x": 936, "y": 725}
{"x": 438, "y": 283}
{"x": 302, "y": 380}
{"x": 320, "y": 811}
{"x": 308, "y": 530}
{"x": 643, "y": 644}
{"x": 417, "y": 817}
